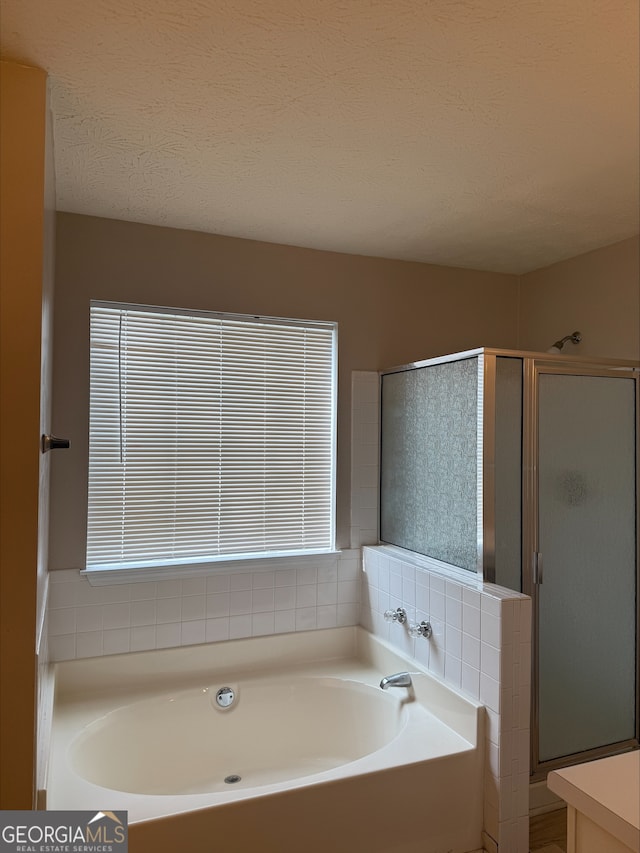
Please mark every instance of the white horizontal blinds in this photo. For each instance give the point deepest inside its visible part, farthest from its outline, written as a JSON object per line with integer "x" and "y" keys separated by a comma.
{"x": 209, "y": 437}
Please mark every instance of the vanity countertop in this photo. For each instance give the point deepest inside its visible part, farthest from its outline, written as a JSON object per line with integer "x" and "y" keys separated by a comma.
{"x": 607, "y": 791}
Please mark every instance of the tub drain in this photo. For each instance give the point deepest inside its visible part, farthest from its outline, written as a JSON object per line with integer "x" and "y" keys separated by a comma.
{"x": 231, "y": 780}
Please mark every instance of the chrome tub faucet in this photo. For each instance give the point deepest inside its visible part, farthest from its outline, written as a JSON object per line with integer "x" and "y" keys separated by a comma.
{"x": 400, "y": 679}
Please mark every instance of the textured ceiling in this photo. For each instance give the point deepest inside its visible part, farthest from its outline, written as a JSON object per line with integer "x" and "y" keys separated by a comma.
{"x": 495, "y": 134}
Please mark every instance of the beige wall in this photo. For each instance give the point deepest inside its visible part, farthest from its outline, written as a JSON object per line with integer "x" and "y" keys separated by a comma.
{"x": 389, "y": 312}
{"x": 597, "y": 293}
{"x": 22, "y": 469}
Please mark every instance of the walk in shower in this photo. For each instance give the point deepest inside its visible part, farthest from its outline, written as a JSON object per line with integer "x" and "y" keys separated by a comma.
{"x": 523, "y": 467}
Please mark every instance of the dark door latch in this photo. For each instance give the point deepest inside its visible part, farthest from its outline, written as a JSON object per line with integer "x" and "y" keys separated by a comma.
{"x": 50, "y": 442}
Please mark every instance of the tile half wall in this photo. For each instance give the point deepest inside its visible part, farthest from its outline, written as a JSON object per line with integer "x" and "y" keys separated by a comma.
{"x": 481, "y": 646}
{"x": 87, "y": 621}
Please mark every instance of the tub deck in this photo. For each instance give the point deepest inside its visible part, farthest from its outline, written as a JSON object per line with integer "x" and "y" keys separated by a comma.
{"x": 421, "y": 791}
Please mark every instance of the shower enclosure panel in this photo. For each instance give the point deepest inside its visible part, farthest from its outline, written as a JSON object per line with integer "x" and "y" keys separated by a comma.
{"x": 451, "y": 461}
{"x": 523, "y": 468}
{"x": 431, "y": 434}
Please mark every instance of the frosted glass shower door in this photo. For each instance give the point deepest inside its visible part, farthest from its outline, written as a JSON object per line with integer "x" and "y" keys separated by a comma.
{"x": 587, "y": 600}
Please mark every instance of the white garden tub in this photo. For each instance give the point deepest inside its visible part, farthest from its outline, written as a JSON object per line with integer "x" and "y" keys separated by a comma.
{"x": 311, "y": 756}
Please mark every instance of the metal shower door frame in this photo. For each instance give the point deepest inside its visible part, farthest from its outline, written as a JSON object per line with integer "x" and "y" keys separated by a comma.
{"x": 533, "y": 367}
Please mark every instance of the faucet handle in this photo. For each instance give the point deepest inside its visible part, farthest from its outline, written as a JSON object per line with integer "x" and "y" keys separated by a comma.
{"x": 398, "y": 615}
{"x": 424, "y": 629}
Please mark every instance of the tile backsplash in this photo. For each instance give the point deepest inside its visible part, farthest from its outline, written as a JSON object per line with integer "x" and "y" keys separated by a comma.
{"x": 481, "y": 646}
{"x": 87, "y": 621}
{"x": 365, "y": 466}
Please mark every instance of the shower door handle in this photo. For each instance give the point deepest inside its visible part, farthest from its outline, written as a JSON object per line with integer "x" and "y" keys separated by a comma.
{"x": 537, "y": 568}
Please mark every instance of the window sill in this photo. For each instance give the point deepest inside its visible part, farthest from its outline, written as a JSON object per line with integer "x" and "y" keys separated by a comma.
{"x": 110, "y": 577}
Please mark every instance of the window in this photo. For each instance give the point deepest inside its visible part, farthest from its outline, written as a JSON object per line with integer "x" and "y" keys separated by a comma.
{"x": 212, "y": 437}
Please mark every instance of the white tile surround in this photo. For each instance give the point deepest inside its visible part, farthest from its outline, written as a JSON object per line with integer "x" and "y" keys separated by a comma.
{"x": 481, "y": 646}
{"x": 482, "y": 633}
{"x": 365, "y": 469}
{"x": 88, "y": 621}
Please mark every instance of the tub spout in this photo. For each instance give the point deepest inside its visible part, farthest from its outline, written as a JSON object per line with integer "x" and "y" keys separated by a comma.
{"x": 400, "y": 679}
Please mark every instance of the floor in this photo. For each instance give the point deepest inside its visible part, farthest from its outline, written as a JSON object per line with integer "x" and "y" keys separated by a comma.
{"x": 549, "y": 848}
{"x": 548, "y": 832}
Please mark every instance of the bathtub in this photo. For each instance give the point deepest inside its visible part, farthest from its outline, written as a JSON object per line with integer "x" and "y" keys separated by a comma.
{"x": 310, "y": 754}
